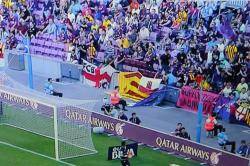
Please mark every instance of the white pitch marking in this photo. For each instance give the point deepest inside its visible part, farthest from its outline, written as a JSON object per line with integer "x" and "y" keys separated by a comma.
{"x": 246, "y": 131}
{"x": 35, "y": 153}
{"x": 164, "y": 108}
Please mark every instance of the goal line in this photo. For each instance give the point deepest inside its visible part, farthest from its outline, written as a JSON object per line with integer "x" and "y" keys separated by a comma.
{"x": 35, "y": 153}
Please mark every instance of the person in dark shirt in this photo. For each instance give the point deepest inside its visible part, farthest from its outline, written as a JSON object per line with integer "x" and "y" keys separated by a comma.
{"x": 32, "y": 31}
{"x": 106, "y": 109}
{"x": 122, "y": 116}
{"x": 181, "y": 56}
{"x": 178, "y": 129}
{"x": 124, "y": 156}
{"x": 25, "y": 14}
{"x": 135, "y": 119}
{"x": 242, "y": 150}
{"x": 184, "y": 134}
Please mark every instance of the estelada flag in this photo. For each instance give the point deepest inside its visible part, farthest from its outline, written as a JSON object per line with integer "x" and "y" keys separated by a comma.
{"x": 149, "y": 85}
{"x": 135, "y": 86}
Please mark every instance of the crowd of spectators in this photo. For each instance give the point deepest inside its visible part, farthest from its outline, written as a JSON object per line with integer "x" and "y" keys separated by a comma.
{"x": 176, "y": 39}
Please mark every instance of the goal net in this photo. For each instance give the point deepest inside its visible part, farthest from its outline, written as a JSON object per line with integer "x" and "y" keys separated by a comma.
{"x": 66, "y": 125}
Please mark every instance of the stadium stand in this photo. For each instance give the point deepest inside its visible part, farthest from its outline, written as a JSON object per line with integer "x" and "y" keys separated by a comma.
{"x": 168, "y": 43}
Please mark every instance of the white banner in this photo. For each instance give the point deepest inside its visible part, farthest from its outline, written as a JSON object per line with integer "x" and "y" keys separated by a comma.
{"x": 148, "y": 85}
{"x": 97, "y": 76}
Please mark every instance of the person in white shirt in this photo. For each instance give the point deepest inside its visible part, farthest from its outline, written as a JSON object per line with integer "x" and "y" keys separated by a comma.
{"x": 51, "y": 28}
{"x": 244, "y": 95}
{"x": 227, "y": 90}
{"x": 144, "y": 33}
{"x": 242, "y": 85}
{"x": 109, "y": 33}
{"x": 221, "y": 48}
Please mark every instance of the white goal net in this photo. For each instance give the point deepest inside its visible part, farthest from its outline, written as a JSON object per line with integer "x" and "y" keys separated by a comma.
{"x": 48, "y": 118}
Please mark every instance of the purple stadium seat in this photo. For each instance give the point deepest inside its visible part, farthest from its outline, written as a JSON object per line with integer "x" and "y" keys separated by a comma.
{"x": 61, "y": 46}
{"x": 57, "y": 46}
{"x": 54, "y": 53}
{"x": 33, "y": 41}
{"x": 32, "y": 49}
{"x": 47, "y": 52}
{"x": 46, "y": 36}
{"x": 39, "y": 50}
{"x": 40, "y": 42}
{"x": 52, "y": 37}
{"x": 61, "y": 54}
{"x": 48, "y": 44}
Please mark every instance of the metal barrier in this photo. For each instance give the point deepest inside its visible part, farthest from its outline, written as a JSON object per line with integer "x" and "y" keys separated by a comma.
{"x": 42, "y": 65}
{"x": 172, "y": 94}
{"x": 71, "y": 71}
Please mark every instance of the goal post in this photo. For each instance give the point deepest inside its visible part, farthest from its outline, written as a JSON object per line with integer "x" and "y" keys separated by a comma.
{"x": 56, "y": 133}
{"x": 42, "y": 116}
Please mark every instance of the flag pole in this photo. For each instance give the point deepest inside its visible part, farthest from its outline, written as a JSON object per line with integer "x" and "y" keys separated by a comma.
{"x": 199, "y": 115}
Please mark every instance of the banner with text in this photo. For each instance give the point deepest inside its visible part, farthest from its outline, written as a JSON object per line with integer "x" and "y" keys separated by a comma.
{"x": 135, "y": 86}
{"x": 156, "y": 139}
{"x": 97, "y": 76}
{"x": 116, "y": 153}
{"x": 189, "y": 99}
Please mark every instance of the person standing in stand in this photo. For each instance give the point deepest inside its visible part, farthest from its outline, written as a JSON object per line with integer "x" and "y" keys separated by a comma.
{"x": 124, "y": 156}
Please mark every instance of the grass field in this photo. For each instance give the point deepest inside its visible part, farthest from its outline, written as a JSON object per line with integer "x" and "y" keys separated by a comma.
{"x": 14, "y": 156}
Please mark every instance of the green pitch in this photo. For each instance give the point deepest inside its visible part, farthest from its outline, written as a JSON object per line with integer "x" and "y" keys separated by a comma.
{"x": 13, "y": 143}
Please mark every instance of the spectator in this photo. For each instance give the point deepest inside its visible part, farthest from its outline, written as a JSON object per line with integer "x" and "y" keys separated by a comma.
{"x": 172, "y": 80}
{"x": 122, "y": 116}
{"x": 185, "y": 36}
{"x": 209, "y": 125}
{"x": 106, "y": 110}
{"x": 242, "y": 85}
{"x": 178, "y": 129}
{"x": 223, "y": 140}
{"x": 50, "y": 28}
{"x": 227, "y": 90}
{"x": 91, "y": 52}
{"x": 244, "y": 96}
{"x": 116, "y": 99}
{"x": 242, "y": 150}
{"x": 134, "y": 119}
{"x": 114, "y": 112}
{"x": 184, "y": 134}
